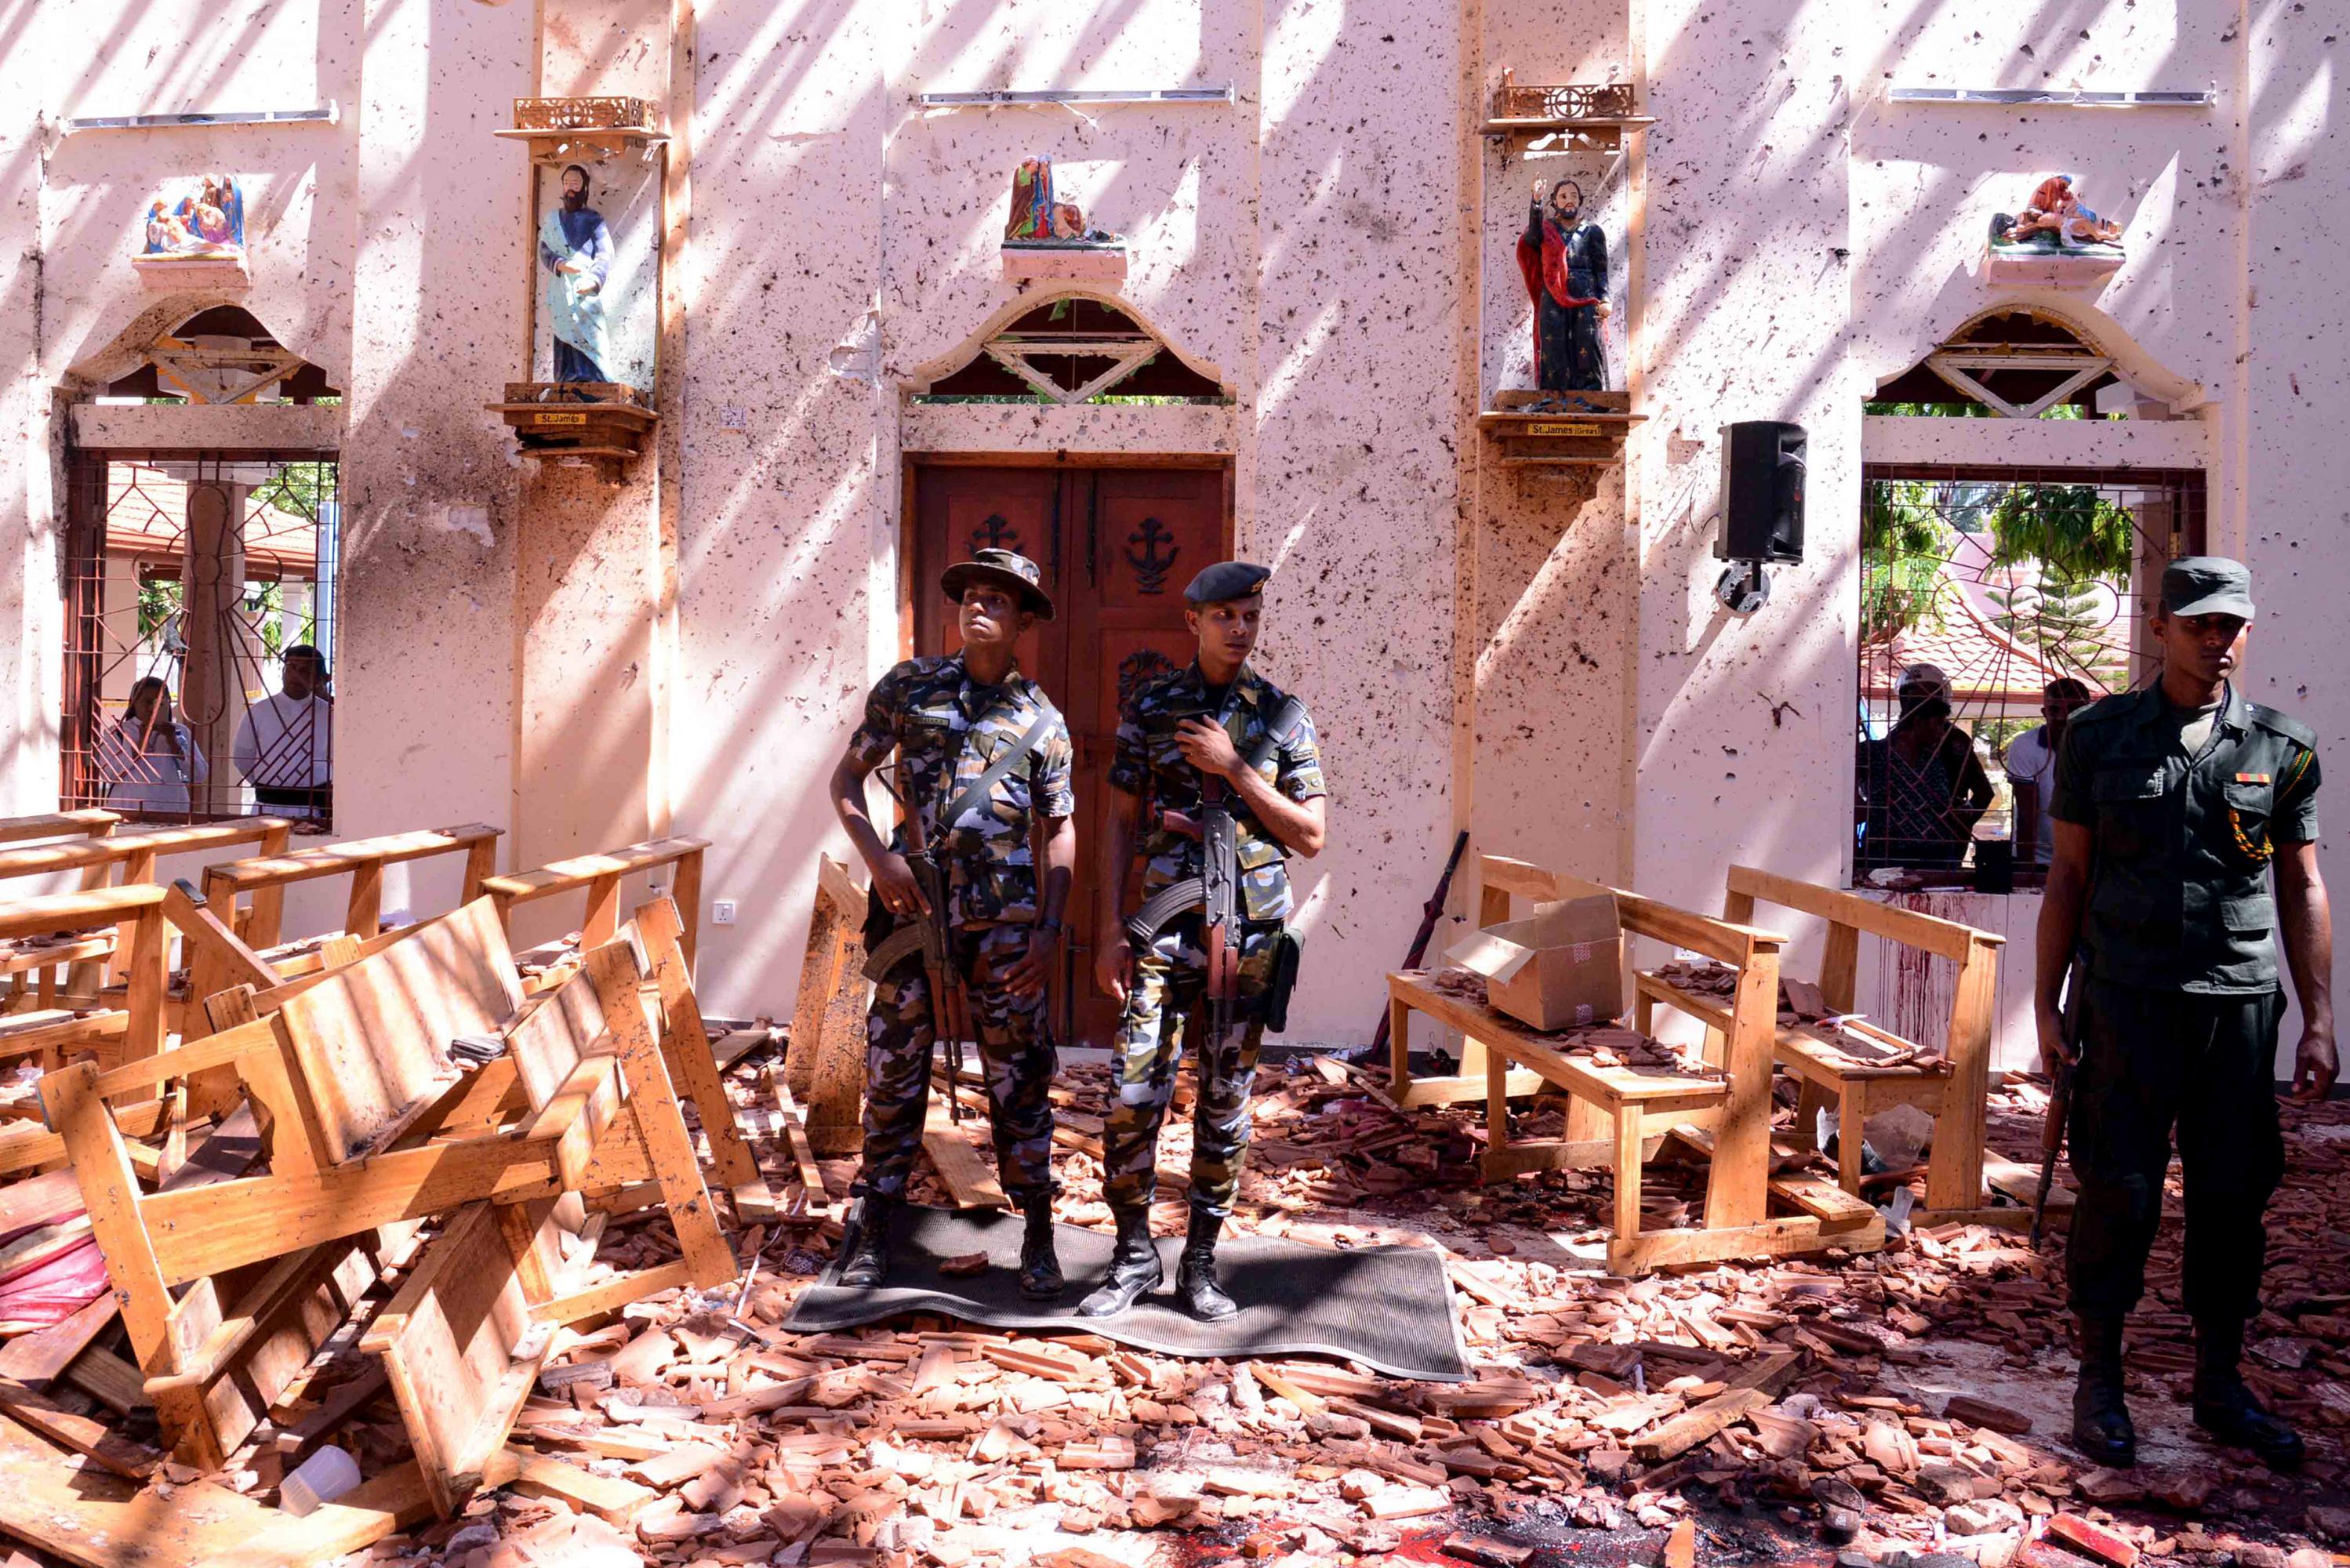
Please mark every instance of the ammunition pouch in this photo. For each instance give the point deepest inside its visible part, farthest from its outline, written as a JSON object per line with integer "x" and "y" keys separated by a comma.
{"x": 1288, "y": 952}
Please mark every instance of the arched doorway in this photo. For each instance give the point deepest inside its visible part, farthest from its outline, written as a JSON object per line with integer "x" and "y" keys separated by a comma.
{"x": 202, "y": 502}
{"x": 1117, "y": 534}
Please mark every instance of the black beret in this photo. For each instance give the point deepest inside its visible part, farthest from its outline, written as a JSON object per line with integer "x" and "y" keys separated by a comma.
{"x": 1227, "y": 580}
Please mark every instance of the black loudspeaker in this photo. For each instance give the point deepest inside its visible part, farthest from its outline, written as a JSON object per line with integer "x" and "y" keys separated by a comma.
{"x": 1761, "y": 492}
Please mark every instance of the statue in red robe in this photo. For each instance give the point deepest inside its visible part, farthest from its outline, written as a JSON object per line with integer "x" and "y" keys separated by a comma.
{"x": 1565, "y": 261}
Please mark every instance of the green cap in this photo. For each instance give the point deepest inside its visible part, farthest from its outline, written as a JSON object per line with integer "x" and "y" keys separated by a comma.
{"x": 2208, "y": 585}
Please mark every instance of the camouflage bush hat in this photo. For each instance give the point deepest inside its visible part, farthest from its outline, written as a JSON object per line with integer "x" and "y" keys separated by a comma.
{"x": 1005, "y": 568}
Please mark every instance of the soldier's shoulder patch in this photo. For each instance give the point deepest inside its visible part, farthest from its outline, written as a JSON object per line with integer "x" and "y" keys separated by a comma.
{"x": 2277, "y": 723}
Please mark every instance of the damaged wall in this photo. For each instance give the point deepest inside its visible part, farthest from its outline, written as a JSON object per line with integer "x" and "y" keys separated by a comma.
{"x": 1541, "y": 662}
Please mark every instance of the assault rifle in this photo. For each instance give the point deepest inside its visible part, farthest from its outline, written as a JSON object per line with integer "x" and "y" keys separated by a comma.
{"x": 1216, "y": 891}
{"x": 2060, "y": 1094}
{"x": 1430, "y": 913}
{"x": 933, "y": 934}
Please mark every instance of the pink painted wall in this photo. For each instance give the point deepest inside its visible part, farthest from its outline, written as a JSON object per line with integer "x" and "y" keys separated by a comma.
{"x": 1542, "y": 664}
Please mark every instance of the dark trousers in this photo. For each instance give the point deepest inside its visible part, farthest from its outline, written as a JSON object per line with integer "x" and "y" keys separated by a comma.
{"x": 2151, "y": 1060}
{"x": 316, "y": 802}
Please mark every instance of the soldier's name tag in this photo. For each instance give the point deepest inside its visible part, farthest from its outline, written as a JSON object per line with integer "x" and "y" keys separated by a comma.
{"x": 2255, "y": 778}
{"x": 558, "y": 419}
{"x": 1563, "y": 427}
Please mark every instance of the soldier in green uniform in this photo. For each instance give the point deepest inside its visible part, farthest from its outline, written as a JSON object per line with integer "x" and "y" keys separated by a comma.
{"x": 1215, "y": 727}
{"x": 2173, "y": 807}
{"x": 983, "y": 757}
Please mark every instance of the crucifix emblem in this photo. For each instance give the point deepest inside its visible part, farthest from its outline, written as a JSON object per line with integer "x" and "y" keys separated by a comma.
{"x": 995, "y": 533}
{"x": 1150, "y": 567}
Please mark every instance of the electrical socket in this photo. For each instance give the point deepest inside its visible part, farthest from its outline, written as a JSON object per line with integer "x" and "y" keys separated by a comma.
{"x": 721, "y": 911}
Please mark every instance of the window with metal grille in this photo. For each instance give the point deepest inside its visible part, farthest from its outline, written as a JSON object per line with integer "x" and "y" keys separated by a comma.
{"x": 194, "y": 584}
{"x": 1993, "y": 601}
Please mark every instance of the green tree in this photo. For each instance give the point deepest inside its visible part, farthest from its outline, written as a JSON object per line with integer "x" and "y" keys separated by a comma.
{"x": 1903, "y": 544}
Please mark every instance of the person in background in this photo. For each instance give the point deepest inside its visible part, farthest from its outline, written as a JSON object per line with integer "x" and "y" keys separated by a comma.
{"x": 285, "y": 747}
{"x": 2031, "y": 764}
{"x": 147, "y": 758}
{"x": 1925, "y": 788}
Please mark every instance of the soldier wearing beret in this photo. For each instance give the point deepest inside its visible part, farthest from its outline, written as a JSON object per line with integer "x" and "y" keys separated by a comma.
{"x": 983, "y": 757}
{"x": 1215, "y": 735}
{"x": 2175, "y": 807}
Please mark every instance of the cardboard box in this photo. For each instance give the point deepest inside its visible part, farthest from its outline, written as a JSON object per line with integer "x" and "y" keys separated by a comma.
{"x": 1561, "y": 967}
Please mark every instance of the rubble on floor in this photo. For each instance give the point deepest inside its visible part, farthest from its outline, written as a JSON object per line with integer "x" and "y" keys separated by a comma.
{"x": 1907, "y": 1402}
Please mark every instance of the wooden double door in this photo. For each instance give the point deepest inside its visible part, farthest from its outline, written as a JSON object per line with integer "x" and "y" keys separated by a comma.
{"x": 1117, "y": 546}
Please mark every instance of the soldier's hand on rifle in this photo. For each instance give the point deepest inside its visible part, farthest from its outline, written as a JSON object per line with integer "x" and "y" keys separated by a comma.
{"x": 2054, "y": 1054}
{"x": 1207, "y": 747}
{"x": 1113, "y": 967}
{"x": 894, "y": 879}
{"x": 1025, "y": 976}
{"x": 2315, "y": 1064}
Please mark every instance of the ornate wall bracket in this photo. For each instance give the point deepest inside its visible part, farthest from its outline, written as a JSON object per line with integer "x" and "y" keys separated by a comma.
{"x": 1559, "y": 429}
{"x": 608, "y": 422}
{"x": 1571, "y": 117}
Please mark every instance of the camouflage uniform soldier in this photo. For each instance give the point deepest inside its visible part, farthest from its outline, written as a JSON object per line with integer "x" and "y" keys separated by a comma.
{"x": 1212, "y": 737}
{"x": 980, "y": 755}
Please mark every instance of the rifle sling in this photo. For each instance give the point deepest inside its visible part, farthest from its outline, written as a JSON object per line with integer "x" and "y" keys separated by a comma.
{"x": 978, "y": 790}
{"x": 907, "y": 937}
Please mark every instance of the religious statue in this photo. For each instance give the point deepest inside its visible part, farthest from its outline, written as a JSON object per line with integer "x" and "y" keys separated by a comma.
{"x": 1565, "y": 261}
{"x": 1038, "y": 219}
{"x": 206, "y": 220}
{"x": 2054, "y": 219}
{"x": 576, "y": 249}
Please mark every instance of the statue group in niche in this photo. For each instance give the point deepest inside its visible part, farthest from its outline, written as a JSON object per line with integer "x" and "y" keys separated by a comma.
{"x": 1040, "y": 221}
{"x": 575, "y": 248}
{"x": 2055, "y": 220}
{"x": 1564, "y": 258}
{"x": 206, "y": 218}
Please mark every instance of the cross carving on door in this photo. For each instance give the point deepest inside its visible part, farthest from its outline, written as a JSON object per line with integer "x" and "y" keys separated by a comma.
{"x": 995, "y": 533}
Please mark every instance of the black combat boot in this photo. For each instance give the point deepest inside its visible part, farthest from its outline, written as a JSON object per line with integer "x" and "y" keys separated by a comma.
{"x": 2226, "y": 1408}
{"x": 1133, "y": 1267}
{"x": 868, "y": 1249}
{"x": 1040, "y": 1265}
{"x": 1195, "y": 1271}
{"x": 2101, "y": 1419}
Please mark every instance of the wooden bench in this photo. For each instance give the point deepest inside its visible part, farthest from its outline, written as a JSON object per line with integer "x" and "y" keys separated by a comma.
{"x": 94, "y": 923}
{"x": 264, "y": 877}
{"x": 1861, "y": 1068}
{"x": 122, "y": 860}
{"x": 600, "y": 875}
{"x": 369, "y": 1125}
{"x": 1620, "y": 1112}
{"x": 88, "y": 823}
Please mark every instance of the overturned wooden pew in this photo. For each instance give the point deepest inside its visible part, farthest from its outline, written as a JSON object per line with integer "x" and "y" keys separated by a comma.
{"x": 372, "y": 1126}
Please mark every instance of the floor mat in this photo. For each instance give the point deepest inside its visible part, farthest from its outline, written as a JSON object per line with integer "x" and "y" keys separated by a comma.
{"x": 1389, "y": 1308}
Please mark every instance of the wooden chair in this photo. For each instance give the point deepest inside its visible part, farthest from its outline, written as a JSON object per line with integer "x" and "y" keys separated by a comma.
{"x": 369, "y": 1125}
{"x": 600, "y": 876}
{"x": 265, "y": 878}
{"x": 1848, "y": 1068}
{"x": 88, "y": 823}
{"x": 1619, "y": 1115}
